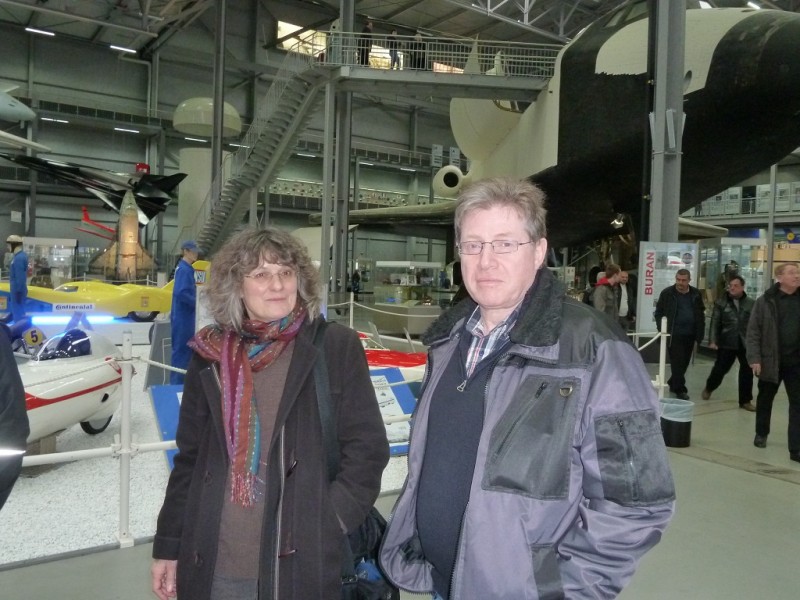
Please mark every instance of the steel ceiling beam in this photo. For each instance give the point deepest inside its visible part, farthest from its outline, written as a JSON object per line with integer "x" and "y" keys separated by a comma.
{"x": 467, "y": 5}
{"x": 73, "y": 17}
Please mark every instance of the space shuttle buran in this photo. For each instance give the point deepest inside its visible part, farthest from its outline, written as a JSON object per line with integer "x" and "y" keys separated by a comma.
{"x": 582, "y": 138}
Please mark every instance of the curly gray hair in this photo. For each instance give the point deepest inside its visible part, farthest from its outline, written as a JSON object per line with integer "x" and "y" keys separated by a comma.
{"x": 242, "y": 254}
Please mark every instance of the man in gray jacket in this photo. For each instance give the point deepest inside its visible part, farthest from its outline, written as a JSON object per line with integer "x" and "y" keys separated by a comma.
{"x": 773, "y": 352}
{"x": 604, "y": 297}
{"x": 537, "y": 467}
{"x": 728, "y": 333}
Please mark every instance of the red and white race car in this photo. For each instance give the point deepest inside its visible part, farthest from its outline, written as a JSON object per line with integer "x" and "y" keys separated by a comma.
{"x": 73, "y": 377}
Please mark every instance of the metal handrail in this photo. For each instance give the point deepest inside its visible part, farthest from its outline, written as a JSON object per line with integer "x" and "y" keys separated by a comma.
{"x": 441, "y": 54}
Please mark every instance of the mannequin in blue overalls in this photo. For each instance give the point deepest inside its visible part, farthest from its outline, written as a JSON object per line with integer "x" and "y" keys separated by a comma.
{"x": 18, "y": 276}
{"x": 182, "y": 317}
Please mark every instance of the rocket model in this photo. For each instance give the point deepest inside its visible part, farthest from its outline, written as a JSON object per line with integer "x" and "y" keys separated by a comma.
{"x": 124, "y": 258}
{"x": 128, "y": 248}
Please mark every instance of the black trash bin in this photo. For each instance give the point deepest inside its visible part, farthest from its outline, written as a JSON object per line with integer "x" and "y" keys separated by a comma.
{"x": 676, "y": 422}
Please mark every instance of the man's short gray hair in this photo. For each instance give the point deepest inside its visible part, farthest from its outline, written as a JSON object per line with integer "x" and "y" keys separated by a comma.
{"x": 521, "y": 195}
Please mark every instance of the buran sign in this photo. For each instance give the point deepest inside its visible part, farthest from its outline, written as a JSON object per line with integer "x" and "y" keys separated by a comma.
{"x": 658, "y": 263}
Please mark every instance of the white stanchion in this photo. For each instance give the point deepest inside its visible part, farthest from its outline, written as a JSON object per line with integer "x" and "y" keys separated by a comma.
{"x": 123, "y": 533}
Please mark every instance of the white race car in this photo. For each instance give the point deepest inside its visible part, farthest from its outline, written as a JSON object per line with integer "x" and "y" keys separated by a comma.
{"x": 73, "y": 377}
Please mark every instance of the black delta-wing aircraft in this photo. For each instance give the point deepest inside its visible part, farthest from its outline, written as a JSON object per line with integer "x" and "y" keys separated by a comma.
{"x": 152, "y": 192}
{"x": 583, "y": 138}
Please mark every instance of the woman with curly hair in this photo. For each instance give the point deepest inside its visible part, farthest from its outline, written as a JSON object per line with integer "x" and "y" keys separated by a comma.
{"x": 249, "y": 509}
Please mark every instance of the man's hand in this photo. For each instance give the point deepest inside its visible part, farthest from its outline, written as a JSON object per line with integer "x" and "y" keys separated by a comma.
{"x": 713, "y": 346}
{"x": 756, "y": 369}
{"x": 163, "y": 573}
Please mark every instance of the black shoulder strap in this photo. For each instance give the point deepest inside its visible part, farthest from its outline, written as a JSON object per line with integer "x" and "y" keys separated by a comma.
{"x": 329, "y": 441}
{"x": 326, "y": 416}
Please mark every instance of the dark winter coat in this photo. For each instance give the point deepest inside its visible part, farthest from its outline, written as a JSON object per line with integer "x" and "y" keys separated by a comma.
{"x": 667, "y": 306}
{"x": 729, "y": 324}
{"x": 14, "y": 428}
{"x": 763, "y": 344}
{"x": 301, "y": 505}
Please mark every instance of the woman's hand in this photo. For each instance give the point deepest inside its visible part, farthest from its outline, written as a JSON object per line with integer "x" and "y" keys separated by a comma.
{"x": 163, "y": 573}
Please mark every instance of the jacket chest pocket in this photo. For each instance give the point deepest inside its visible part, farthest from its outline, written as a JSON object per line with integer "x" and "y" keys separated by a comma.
{"x": 529, "y": 448}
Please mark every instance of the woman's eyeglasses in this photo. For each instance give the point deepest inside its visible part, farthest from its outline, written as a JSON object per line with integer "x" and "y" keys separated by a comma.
{"x": 266, "y": 277}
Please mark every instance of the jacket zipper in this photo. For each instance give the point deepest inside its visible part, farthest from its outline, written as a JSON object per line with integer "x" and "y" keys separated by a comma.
{"x": 278, "y": 530}
{"x": 629, "y": 456}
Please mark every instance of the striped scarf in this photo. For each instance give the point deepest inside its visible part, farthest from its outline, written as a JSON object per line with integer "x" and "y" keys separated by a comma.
{"x": 239, "y": 356}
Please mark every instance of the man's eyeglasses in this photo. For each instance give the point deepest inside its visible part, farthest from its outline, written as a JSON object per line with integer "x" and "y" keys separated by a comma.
{"x": 498, "y": 246}
{"x": 265, "y": 277}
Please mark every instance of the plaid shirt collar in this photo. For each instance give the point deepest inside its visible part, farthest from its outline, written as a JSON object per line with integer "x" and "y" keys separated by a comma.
{"x": 483, "y": 344}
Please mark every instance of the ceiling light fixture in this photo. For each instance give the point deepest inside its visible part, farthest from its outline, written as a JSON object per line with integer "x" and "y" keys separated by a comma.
{"x": 126, "y": 130}
{"x": 40, "y": 31}
{"x": 366, "y": 164}
{"x": 753, "y": 5}
{"x": 306, "y": 155}
{"x": 121, "y": 49}
{"x": 196, "y": 140}
{"x": 407, "y": 169}
{"x": 54, "y": 120}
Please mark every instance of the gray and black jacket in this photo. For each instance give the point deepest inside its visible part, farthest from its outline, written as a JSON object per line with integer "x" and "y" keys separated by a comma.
{"x": 571, "y": 484}
{"x": 729, "y": 323}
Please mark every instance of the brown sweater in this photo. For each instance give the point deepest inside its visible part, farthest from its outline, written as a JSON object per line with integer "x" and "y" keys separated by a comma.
{"x": 240, "y": 527}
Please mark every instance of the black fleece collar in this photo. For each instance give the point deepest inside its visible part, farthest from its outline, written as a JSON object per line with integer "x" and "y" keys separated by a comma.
{"x": 539, "y": 323}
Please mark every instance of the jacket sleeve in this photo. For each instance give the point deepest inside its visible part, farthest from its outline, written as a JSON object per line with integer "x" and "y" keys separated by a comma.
{"x": 660, "y": 308}
{"x": 754, "y": 329}
{"x": 192, "y": 423}
{"x": 627, "y": 487}
{"x": 363, "y": 447}
{"x": 716, "y": 323}
{"x": 700, "y": 316}
{"x": 599, "y": 298}
{"x": 14, "y": 427}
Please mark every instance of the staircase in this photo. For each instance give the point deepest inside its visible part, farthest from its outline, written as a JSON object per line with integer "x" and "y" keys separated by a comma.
{"x": 284, "y": 112}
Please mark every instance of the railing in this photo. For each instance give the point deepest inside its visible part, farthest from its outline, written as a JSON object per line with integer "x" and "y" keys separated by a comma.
{"x": 729, "y": 207}
{"x": 126, "y": 447}
{"x": 440, "y": 54}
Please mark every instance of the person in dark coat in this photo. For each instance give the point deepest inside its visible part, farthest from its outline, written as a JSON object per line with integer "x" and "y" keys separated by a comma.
{"x": 728, "y": 337}
{"x": 417, "y": 56}
{"x": 14, "y": 428}
{"x": 182, "y": 315}
{"x": 394, "y": 46}
{"x": 683, "y": 307}
{"x": 773, "y": 351}
{"x": 365, "y": 44}
{"x": 249, "y": 510}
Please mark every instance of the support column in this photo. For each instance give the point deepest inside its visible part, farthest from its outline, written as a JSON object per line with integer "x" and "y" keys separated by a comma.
{"x": 327, "y": 193}
{"x": 219, "y": 100}
{"x": 666, "y": 121}
{"x": 344, "y": 114}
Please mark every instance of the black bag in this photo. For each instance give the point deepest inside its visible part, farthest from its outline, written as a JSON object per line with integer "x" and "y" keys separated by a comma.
{"x": 362, "y": 578}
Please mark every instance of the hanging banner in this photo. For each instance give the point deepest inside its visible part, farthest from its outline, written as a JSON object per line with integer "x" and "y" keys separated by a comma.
{"x": 658, "y": 263}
